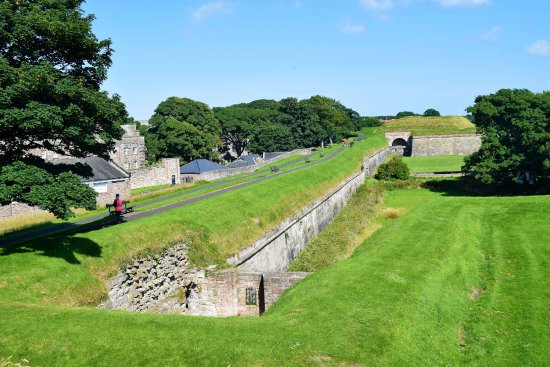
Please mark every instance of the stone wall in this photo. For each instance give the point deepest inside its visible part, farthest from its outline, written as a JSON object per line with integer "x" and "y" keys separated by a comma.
{"x": 16, "y": 209}
{"x": 445, "y": 144}
{"x": 149, "y": 280}
{"x": 276, "y": 250}
{"x": 214, "y": 175}
{"x": 167, "y": 284}
{"x": 158, "y": 174}
{"x": 121, "y": 187}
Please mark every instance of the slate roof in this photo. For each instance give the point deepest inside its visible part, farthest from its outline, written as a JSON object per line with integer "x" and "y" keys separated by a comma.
{"x": 200, "y": 166}
{"x": 102, "y": 170}
{"x": 244, "y": 161}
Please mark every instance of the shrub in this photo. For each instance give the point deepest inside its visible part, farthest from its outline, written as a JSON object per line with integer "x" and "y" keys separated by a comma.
{"x": 394, "y": 169}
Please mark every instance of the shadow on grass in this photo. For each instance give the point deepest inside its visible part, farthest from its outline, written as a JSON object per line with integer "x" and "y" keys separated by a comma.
{"x": 465, "y": 186}
{"x": 64, "y": 248}
{"x": 63, "y": 245}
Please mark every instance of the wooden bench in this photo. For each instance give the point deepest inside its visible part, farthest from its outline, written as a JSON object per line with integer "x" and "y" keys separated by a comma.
{"x": 126, "y": 209}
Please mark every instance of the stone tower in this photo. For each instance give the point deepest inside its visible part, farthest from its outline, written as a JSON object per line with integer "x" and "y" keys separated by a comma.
{"x": 129, "y": 152}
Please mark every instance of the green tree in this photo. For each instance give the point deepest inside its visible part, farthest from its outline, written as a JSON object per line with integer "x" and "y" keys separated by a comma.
{"x": 516, "y": 137}
{"x": 51, "y": 69}
{"x": 182, "y": 127}
{"x": 394, "y": 169}
{"x": 431, "y": 112}
{"x": 272, "y": 138}
{"x": 405, "y": 114}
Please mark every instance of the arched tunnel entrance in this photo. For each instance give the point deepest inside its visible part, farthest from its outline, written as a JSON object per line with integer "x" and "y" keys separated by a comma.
{"x": 399, "y": 142}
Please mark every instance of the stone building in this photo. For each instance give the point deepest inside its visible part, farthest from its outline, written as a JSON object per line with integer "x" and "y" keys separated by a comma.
{"x": 130, "y": 151}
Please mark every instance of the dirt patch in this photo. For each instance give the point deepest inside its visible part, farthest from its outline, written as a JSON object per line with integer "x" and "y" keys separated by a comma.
{"x": 321, "y": 358}
{"x": 391, "y": 213}
{"x": 462, "y": 338}
{"x": 476, "y": 292}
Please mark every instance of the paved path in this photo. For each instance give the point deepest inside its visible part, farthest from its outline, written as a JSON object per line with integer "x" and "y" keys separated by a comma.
{"x": 86, "y": 224}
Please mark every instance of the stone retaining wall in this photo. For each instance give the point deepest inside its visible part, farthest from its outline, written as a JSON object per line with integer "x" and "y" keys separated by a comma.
{"x": 433, "y": 145}
{"x": 17, "y": 209}
{"x": 275, "y": 251}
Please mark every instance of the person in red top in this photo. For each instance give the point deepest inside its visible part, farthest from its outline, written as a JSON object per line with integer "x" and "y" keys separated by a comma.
{"x": 118, "y": 208}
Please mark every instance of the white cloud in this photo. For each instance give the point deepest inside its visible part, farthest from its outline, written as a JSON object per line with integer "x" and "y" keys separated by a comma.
{"x": 378, "y": 5}
{"x": 493, "y": 34}
{"x": 349, "y": 28}
{"x": 539, "y": 48}
{"x": 451, "y": 3}
{"x": 209, "y": 10}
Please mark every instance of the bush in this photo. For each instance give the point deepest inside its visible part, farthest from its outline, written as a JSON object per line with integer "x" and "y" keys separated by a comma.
{"x": 395, "y": 169}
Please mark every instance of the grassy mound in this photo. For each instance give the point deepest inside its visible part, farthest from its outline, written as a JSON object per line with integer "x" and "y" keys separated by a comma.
{"x": 447, "y": 280}
{"x": 422, "y": 125}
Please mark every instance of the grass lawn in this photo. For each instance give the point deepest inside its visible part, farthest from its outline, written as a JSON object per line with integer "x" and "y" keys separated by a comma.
{"x": 422, "y": 125}
{"x": 447, "y": 163}
{"x": 447, "y": 281}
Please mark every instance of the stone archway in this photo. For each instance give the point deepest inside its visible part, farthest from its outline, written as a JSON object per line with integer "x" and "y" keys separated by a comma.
{"x": 399, "y": 142}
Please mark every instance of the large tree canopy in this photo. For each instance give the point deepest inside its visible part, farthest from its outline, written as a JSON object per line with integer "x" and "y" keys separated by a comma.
{"x": 268, "y": 125}
{"x": 183, "y": 128}
{"x": 51, "y": 69}
{"x": 516, "y": 137}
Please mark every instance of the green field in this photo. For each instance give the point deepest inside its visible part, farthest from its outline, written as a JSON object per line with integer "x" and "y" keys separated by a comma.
{"x": 447, "y": 281}
{"x": 447, "y": 163}
{"x": 422, "y": 125}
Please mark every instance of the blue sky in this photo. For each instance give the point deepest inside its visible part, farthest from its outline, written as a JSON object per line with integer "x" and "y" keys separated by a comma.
{"x": 376, "y": 56}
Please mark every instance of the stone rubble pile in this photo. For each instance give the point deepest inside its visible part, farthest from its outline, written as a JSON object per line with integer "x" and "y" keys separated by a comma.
{"x": 148, "y": 281}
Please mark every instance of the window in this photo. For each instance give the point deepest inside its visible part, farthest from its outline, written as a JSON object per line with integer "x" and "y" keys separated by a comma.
{"x": 251, "y": 296}
{"x": 99, "y": 187}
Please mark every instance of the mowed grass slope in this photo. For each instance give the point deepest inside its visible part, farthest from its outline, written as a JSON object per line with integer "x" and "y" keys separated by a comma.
{"x": 72, "y": 270}
{"x": 453, "y": 281}
{"x": 430, "y": 125}
{"x": 444, "y": 163}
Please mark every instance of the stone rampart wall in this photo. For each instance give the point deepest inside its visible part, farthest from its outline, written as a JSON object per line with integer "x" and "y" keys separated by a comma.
{"x": 214, "y": 175}
{"x": 166, "y": 284}
{"x": 158, "y": 174}
{"x": 445, "y": 144}
{"x": 275, "y": 251}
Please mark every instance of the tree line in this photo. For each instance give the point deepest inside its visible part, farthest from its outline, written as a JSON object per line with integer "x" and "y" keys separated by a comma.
{"x": 181, "y": 127}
